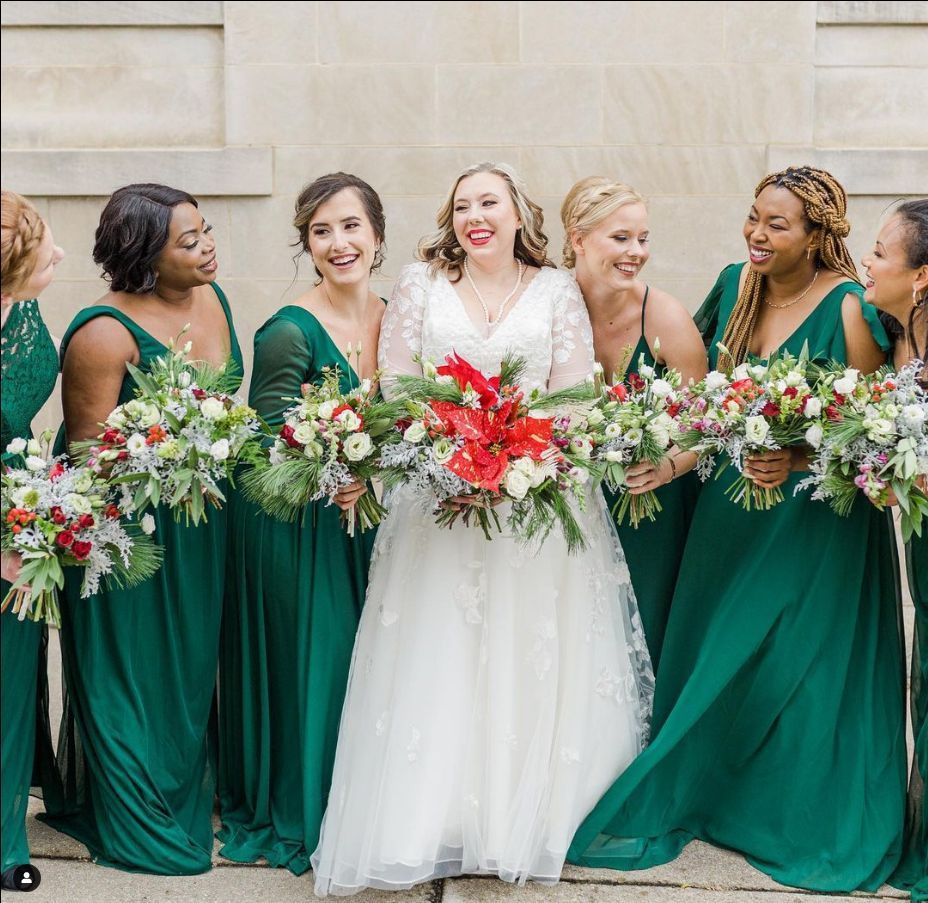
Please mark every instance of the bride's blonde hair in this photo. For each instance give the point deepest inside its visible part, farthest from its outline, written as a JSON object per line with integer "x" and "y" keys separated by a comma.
{"x": 441, "y": 249}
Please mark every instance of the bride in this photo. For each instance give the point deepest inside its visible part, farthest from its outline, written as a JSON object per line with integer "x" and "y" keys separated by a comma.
{"x": 495, "y": 691}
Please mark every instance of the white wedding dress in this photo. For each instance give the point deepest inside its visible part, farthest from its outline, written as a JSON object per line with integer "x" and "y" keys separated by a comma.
{"x": 495, "y": 692}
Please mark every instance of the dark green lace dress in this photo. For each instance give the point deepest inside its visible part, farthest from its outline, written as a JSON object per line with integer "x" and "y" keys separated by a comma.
{"x": 29, "y": 371}
{"x": 140, "y": 667}
{"x": 293, "y": 601}
{"x": 778, "y": 725}
{"x": 655, "y": 549}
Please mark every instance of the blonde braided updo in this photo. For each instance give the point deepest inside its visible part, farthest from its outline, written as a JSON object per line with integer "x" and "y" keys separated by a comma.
{"x": 21, "y": 234}
{"x": 824, "y": 202}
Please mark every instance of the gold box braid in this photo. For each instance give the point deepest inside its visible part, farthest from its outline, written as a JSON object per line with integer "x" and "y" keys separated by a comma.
{"x": 825, "y": 203}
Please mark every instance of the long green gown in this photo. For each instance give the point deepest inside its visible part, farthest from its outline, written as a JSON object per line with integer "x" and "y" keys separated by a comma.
{"x": 655, "y": 549}
{"x": 778, "y": 724}
{"x": 140, "y": 668}
{"x": 29, "y": 371}
{"x": 293, "y": 600}
{"x": 912, "y": 873}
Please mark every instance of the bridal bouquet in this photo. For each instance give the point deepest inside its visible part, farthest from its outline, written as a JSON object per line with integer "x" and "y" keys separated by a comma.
{"x": 57, "y": 516}
{"x": 177, "y": 440}
{"x": 756, "y": 408}
{"x": 872, "y": 438}
{"x": 632, "y": 421}
{"x": 329, "y": 440}
{"x": 466, "y": 435}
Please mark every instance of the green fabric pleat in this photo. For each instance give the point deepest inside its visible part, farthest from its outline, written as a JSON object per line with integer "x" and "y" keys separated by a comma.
{"x": 29, "y": 371}
{"x": 778, "y": 714}
{"x": 293, "y": 601}
{"x": 136, "y": 758}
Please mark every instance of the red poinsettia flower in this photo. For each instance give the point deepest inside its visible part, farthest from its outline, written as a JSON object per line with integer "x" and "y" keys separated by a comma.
{"x": 465, "y": 375}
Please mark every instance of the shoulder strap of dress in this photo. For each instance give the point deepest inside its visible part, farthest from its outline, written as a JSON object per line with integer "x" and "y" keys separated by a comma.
{"x": 644, "y": 305}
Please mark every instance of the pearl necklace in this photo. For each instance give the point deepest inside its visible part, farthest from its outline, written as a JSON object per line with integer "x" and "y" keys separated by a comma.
{"x": 795, "y": 300}
{"x": 483, "y": 304}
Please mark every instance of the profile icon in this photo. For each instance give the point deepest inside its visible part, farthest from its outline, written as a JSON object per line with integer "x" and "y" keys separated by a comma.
{"x": 23, "y": 877}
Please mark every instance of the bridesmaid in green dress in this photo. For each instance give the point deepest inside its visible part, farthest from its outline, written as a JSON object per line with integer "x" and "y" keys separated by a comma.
{"x": 607, "y": 246}
{"x": 295, "y": 590}
{"x": 897, "y": 283}
{"x": 29, "y": 371}
{"x": 140, "y": 665}
{"x": 778, "y": 716}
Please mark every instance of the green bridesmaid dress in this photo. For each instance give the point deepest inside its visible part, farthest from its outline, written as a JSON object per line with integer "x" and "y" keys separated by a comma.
{"x": 778, "y": 724}
{"x": 654, "y": 550}
{"x": 293, "y": 600}
{"x": 912, "y": 873}
{"x": 29, "y": 371}
{"x": 140, "y": 670}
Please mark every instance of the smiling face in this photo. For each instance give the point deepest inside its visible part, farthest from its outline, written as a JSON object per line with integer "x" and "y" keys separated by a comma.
{"x": 189, "y": 257}
{"x": 776, "y": 232}
{"x": 614, "y": 252}
{"x": 485, "y": 220}
{"x": 889, "y": 279}
{"x": 341, "y": 239}
{"x": 47, "y": 257}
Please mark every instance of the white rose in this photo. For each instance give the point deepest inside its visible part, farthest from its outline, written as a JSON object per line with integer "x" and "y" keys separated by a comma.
{"x": 615, "y": 456}
{"x": 661, "y": 388}
{"x": 33, "y": 447}
{"x": 135, "y": 444}
{"x": 35, "y": 462}
{"x": 813, "y": 407}
{"x": 415, "y": 432}
{"x": 716, "y": 380}
{"x": 326, "y": 410}
{"x": 147, "y": 523}
{"x": 78, "y": 503}
{"x": 914, "y": 414}
{"x": 845, "y": 386}
{"x": 358, "y": 446}
{"x": 517, "y": 483}
{"x": 350, "y": 421}
{"x": 814, "y": 435}
{"x": 756, "y": 429}
{"x": 794, "y": 378}
{"x": 17, "y": 446}
{"x": 212, "y": 408}
{"x": 443, "y": 450}
{"x": 758, "y": 372}
{"x": 219, "y": 450}
{"x": 304, "y": 432}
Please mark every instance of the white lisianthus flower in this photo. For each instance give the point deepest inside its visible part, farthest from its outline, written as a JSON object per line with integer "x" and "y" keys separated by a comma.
{"x": 117, "y": 419}
{"x": 613, "y": 430}
{"x": 847, "y": 383}
{"x": 645, "y": 371}
{"x": 914, "y": 414}
{"x": 358, "y": 446}
{"x": 879, "y": 430}
{"x": 517, "y": 484}
{"x": 184, "y": 379}
{"x": 326, "y": 409}
{"x": 17, "y": 446}
{"x": 581, "y": 446}
{"x": 149, "y": 416}
{"x": 814, "y": 435}
{"x": 756, "y": 429}
{"x": 415, "y": 432}
{"x": 350, "y": 421}
{"x": 133, "y": 408}
{"x": 429, "y": 370}
{"x": 313, "y": 450}
{"x": 634, "y": 436}
{"x": 661, "y": 388}
{"x": 78, "y": 503}
{"x": 135, "y": 444}
{"x": 758, "y": 372}
{"x": 169, "y": 450}
{"x": 525, "y": 465}
{"x": 740, "y": 372}
{"x": 34, "y": 447}
{"x": 212, "y": 408}
{"x": 147, "y": 523}
{"x": 443, "y": 450}
{"x": 24, "y": 497}
{"x": 366, "y": 386}
{"x": 83, "y": 481}
{"x": 616, "y": 457}
{"x": 813, "y": 407}
{"x": 661, "y": 428}
{"x": 595, "y": 417}
{"x": 794, "y": 378}
{"x": 219, "y": 450}
{"x": 304, "y": 432}
{"x": 275, "y": 454}
{"x": 716, "y": 380}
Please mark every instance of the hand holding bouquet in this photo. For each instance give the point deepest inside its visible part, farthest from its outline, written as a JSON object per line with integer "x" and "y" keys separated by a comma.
{"x": 177, "y": 440}
{"x": 872, "y": 438}
{"x": 56, "y": 516}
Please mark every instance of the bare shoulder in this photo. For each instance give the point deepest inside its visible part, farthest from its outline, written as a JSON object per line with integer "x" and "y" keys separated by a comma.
{"x": 666, "y": 310}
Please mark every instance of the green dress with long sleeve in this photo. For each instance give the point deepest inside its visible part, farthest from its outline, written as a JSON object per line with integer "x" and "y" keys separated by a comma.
{"x": 140, "y": 669}
{"x": 654, "y": 549}
{"x": 29, "y": 371}
{"x": 778, "y": 725}
{"x": 293, "y": 601}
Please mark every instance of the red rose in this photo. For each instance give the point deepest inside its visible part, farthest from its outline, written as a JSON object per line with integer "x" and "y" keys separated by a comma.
{"x": 81, "y": 549}
{"x": 64, "y": 538}
{"x": 57, "y": 515}
{"x": 790, "y": 392}
{"x": 770, "y": 409}
{"x": 85, "y": 521}
{"x": 286, "y": 433}
{"x": 122, "y": 456}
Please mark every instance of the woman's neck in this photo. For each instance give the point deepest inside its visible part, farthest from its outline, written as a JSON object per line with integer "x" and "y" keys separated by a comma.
{"x": 604, "y": 302}
{"x": 786, "y": 286}
{"x": 349, "y": 302}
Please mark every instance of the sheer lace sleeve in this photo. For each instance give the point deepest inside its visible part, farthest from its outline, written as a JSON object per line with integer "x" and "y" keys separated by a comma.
{"x": 401, "y": 329}
{"x": 282, "y": 362}
{"x": 572, "y": 335}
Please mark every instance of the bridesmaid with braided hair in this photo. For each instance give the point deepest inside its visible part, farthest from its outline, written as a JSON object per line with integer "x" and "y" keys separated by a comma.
{"x": 778, "y": 726}
{"x": 897, "y": 283}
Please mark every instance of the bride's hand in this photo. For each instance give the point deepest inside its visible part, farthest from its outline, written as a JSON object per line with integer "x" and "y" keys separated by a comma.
{"x": 347, "y": 497}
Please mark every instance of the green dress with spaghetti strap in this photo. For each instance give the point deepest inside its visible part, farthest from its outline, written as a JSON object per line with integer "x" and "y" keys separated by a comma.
{"x": 778, "y": 725}
{"x": 140, "y": 669}
{"x": 29, "y": 371}
{"x": 654, "y": 550}
{"x": 293, "y": 601}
